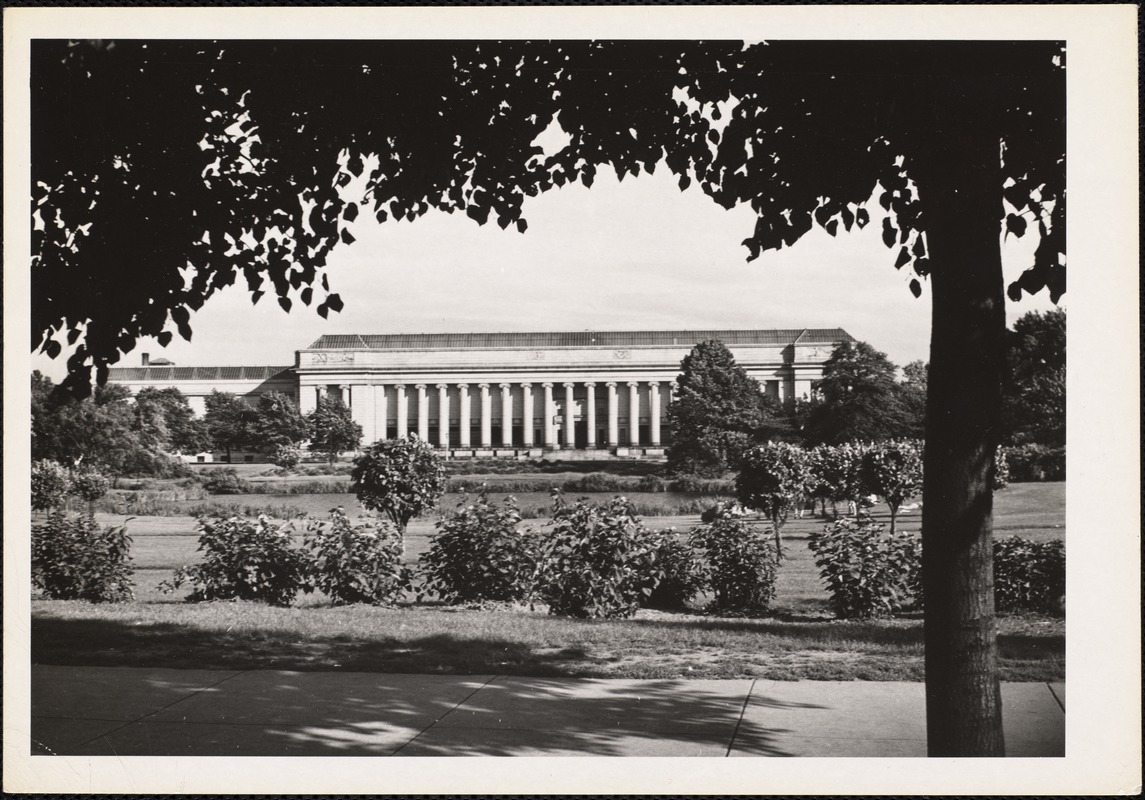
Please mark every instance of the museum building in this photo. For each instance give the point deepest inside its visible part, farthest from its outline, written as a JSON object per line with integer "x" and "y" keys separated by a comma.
{"x": 508, "y": 394}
